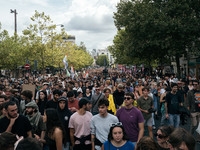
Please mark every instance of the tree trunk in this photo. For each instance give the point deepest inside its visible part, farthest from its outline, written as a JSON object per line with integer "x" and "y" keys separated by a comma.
{"x": 178, "y": 65}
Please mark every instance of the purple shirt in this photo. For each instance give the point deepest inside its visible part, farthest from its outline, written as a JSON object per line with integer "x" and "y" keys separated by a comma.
{"x": 130, "y": 119}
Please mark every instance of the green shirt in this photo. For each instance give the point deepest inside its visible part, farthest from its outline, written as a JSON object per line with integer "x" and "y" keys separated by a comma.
{"x": 145, "y": 104}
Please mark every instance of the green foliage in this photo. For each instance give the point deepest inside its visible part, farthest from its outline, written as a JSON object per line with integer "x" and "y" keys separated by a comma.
{"x": 101, "y": 60}
{"x": 40, "y": 42}
{"x": 155, "y": 30}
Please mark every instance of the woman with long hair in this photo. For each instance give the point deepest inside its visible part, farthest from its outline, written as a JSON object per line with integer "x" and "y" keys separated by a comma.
{"x": 117, "y": 139}
{"x": 55, "y": 134}
{"x": 88, "y": 94}
{"x": 162, "y": 136}
{"x": 42, "y": 101}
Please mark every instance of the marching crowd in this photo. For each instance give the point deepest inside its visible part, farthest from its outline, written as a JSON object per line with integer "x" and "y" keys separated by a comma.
{"x": 101, "y": 112}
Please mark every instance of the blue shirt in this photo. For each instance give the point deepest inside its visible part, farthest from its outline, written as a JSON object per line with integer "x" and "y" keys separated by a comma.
{"x": 127, "y": 146}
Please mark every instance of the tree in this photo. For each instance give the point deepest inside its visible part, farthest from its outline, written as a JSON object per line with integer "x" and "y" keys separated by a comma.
{"x": 102, "y": 60}
{"x": 12, "y": 51}
{"x": 156, "y": 30}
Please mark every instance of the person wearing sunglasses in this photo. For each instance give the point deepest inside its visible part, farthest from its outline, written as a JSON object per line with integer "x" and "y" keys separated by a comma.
{"x": 95, "y": 99}
{"x": 117, "y": 139}
{"x": 162, "y": 136}
{"x": 132, "y": 119}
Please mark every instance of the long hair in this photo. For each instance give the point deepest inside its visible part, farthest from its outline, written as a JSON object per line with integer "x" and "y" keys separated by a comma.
{"x": 53, "y": 122}
{"x": 45, "y": 98}
{"x": 166, "y": 130}
{"x": 110, "y": 137}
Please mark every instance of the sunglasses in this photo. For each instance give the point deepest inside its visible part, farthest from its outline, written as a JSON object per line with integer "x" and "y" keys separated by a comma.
{"x": 128, "y": 98}
{"x": 159, "y": 136}
{"x": 97, "y": 89}
{"x": 118, "y": 124}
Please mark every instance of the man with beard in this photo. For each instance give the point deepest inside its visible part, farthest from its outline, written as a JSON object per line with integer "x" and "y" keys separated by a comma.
{"x": 35, "y": 118}
{"x": 173, "y": 102}
{"x": 54, "y": 102}
{"x": 79, "y": 125}
{"x": 15, "y": 123}
{"x": 73, "y": 103}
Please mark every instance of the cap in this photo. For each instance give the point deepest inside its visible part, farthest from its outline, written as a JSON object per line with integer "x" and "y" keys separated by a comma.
{"x": 45, "y": 83}
{"x": 62, "y": 98}
{"x": 32, "y": 104}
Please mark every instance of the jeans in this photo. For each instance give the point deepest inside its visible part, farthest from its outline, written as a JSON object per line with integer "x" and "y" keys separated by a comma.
{"x": 174, "y": 120}
{"x": 164, "y": 120}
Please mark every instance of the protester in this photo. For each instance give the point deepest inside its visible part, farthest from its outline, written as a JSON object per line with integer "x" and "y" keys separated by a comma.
{"x": 14, "y": 122}
{"x": 35, "y": 119}
{"x": 88, "y": 94}
{"x": 29, "y": 144}
{"x": 172, "y": 103}
{"x": 100, "y": 124}
{"x": 147, "y": 143}
{"x": 145, "y": 103}
{"x": 118, "y": 95}
{"x": 117, "y": 139}
{"x": 194, "y": 107}
{"x": 181, "y": 139}
{"x": 53, "y": 103}
{"x": 42, "y": 101}
{"x": 132, "y": 119}
{"x": 7, "y": 141}
{"x": 55, "y": 134}
{"x": 79, "y": 125}
{"x": 162, "y": 136}
{"x": 27, "y": 96}
{"x": 72, "y": 102}
{"x": 109, "y": 97}
{"x": 64, "y": 115}
{"x": 95, "y": 99}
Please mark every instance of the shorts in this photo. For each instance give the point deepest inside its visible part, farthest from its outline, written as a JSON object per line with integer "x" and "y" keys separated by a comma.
{"x": 149, "y": 122}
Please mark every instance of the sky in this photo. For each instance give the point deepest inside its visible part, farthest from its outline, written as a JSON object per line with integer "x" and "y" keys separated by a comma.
{"x": 91, "y": 21}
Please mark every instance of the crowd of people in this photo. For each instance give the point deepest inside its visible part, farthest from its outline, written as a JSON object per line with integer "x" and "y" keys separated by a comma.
{"x": 100, "y": 112}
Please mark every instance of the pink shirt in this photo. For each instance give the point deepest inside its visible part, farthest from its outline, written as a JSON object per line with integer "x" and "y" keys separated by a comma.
{"x": 81, "y": 125}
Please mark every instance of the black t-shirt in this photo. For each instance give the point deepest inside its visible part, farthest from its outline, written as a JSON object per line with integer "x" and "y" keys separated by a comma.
{"x": 173, "y": 102}
{"x": 118, "y": 97}
{"x": 51, "y": 104}
{"x": 20, "y": 127}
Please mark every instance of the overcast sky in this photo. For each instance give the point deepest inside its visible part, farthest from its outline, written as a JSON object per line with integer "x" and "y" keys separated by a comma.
{"x": 91, "y": 21}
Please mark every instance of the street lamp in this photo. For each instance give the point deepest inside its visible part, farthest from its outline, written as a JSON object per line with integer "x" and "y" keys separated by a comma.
{"x": 15, "y": 15}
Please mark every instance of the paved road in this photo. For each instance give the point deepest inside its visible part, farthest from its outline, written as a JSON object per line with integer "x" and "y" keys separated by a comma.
{"x": 186, "y": 126}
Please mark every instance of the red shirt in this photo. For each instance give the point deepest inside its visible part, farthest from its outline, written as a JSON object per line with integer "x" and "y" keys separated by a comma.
{"x": 73, "y": 104}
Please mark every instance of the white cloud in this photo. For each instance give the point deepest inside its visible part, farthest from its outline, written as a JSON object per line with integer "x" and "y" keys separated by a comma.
{"x": 91, "y": 21}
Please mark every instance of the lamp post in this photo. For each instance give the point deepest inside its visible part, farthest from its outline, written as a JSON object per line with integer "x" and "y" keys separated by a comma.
{"x": 15, "y": 16}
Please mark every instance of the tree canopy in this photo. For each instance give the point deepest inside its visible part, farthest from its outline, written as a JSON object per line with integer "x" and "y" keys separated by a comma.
{"x": 102, "y": 60}
{"x": 40, "y": 42}
{"x": 156, "y": 30}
